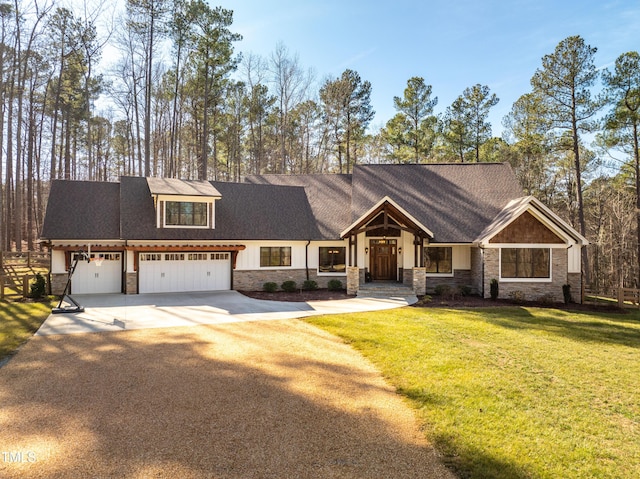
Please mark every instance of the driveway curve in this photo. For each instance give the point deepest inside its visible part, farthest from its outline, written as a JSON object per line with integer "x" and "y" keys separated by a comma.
{"x": 117, "y": 312}
{"x": 259, "y": 399}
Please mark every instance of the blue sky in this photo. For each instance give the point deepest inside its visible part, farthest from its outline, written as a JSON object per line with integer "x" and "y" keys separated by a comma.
{"x": 452, "y": 44}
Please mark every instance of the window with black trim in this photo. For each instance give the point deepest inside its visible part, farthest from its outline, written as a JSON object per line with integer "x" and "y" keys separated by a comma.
{"x": 186, "y": 213}
{"x": 275, "y": 256}
{"x": 332, "y": 259}
{"x": 525, "y": 263}
{"x": 437, "y": 259}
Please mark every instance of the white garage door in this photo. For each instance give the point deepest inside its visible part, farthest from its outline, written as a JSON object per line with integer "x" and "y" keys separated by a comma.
{"x": 89, "y": 278}
{"x": 184, "y": 272}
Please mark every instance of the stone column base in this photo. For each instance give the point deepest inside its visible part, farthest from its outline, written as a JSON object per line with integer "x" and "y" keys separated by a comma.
{"x": 353, "y": 279}
{"x": 419, "y": 281}
{"x": 131, "y": 287}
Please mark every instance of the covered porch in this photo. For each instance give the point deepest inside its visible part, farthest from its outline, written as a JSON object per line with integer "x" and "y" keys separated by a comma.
{"x": 386, "y": 244}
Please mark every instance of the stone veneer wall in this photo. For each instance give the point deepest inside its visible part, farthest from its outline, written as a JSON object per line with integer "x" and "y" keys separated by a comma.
{"x": 131, "y": 287}
{"x": 253, "y": 280}
{"x": 476, "y": 270}
{"x": 407, "y": 277}
{"x": 461, "y": 277}
{"x": 575, "y": 280}
{"x": 58, "y": 282}
{"x": 419, "y": 276}
{"x": 532, "y": 290}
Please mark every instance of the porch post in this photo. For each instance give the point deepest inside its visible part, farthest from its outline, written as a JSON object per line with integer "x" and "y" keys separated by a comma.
{"x": 355, "y": 250}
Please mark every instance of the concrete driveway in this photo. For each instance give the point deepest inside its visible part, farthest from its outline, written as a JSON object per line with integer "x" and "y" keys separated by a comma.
{"x": 117, "y": 312}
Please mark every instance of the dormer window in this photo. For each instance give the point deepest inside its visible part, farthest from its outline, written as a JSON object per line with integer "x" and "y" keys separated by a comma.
{"x": 186, "y": 213}
{"x": 183, "y": 204}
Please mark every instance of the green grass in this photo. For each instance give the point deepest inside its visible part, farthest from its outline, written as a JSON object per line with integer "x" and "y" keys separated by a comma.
{"x": 513, "y": 392}
{"x": 18, "y": 322}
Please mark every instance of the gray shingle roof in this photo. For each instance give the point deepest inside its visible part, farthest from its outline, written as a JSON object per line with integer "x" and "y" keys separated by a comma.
{"x": 455, "y": 201}
{"x": 82, "y": 210}
{"x": 243, "y": 212}
{"x": 329, "y": 197}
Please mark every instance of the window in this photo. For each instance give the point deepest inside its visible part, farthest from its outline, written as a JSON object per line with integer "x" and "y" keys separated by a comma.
{"x": 275, "y": 256}
{"x": 185, "y": 213}
{"x": 525, "y": 263}
{"x": 437, "y": 259}
{"x": 332, "y": 259}
{"x": 150, "y": 257}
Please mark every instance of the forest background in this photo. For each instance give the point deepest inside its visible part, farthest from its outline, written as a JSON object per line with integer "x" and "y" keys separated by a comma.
{"x": 183, "y": 102}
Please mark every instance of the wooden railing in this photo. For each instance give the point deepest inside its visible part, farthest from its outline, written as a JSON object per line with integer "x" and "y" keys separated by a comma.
{"x": 628, "y": 296}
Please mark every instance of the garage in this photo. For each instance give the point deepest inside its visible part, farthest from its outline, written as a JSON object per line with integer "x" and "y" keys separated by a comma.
{"x": 103, "y": 274}
{"x": 184, "y": 272}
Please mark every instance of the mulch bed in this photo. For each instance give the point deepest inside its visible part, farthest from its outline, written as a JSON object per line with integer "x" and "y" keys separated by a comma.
{"x": 298, "y": 296}
{"x": 436, "y": 301}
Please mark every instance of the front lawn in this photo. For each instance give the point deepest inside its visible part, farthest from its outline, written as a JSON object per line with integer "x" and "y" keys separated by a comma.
{"x": 513, "y": 392}
{"x": 18, "y": 322}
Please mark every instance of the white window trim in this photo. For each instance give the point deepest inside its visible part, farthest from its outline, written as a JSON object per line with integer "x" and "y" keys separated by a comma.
{"x": 526, "y": 280}
{"x": 442, "y": 275}
{"x": 191, "y": 227}
{"x": 161, "y": 213}
{"x": 330, "y": 273}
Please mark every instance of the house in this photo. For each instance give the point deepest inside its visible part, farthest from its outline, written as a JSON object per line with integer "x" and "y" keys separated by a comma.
{"x": 460, "y": 225}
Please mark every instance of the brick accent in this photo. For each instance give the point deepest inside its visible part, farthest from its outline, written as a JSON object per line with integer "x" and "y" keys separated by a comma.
{"x": 532, "y": 291}
{"x": 131, "y": 286}
{"x": 253, "y": 280}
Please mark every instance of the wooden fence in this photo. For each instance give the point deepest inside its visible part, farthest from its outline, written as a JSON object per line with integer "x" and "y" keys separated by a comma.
{"x": 627, "y": 296}
{"x": 28, "y": 259}
{"x": 17, "y": 270}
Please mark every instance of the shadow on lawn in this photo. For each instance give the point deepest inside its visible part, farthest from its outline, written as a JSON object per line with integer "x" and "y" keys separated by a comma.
{"x": 588, "y": 327}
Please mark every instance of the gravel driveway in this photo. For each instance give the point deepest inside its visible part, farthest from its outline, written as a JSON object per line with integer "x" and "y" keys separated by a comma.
{"x": 278, "y": 399}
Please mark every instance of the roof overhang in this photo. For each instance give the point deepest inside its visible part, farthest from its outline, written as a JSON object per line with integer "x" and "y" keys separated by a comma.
{"x": 389, "y": 207}
{"x": 176, "y": 187}
{"x": 517, "y": 207}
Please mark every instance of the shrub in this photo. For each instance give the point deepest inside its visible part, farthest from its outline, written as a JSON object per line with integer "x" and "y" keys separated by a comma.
{"x": 310, "y": 285}
{"x": 566, "y": 292}
{"x": 334, "y": 285}
{"x": 464, "y": 290}
{"x": 494, "y": 289}
{"x": 445, "y": 291}
{"x": 426, "y": 299}
{"x": 547, "y": 299}
{"x": 38, "y": 287}
{"x": 517, "y": 295}
{"x": 288, "y": 286}
{"x": 270, "y": 287}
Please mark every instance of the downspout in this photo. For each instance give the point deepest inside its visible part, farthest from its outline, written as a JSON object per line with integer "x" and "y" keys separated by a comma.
{"x": 306, "y": 258}
{"x": 482, "y": 271}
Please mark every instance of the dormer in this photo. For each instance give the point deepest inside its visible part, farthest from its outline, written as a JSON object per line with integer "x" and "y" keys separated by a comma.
{"x": 183, "y": 203}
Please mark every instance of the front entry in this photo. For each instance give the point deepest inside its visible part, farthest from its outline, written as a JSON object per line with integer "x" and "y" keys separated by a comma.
{"x": 383, "y": 259}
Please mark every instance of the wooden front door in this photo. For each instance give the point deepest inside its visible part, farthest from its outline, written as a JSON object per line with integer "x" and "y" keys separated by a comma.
{"x": 383, "y": 260}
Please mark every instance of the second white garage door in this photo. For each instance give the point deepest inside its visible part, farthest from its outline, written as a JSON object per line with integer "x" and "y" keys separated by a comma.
{"x": 184, "y": 272}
